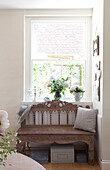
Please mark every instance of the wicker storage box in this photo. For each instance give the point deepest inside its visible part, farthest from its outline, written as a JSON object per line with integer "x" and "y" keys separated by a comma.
{"x": 62, "y": 154}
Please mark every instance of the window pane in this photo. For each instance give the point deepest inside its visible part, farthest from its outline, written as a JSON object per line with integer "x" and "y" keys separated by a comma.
{"x": 43, "y": 71}
{"x": 67, "y": 39}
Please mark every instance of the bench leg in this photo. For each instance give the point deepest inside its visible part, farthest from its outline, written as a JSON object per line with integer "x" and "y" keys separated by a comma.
{"x": 91, "y": 151}
{"x": 91, "y": 157}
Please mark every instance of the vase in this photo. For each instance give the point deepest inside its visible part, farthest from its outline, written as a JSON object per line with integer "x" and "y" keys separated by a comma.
{"x": 78, "y": 96}
{"x": 57, "y": 95}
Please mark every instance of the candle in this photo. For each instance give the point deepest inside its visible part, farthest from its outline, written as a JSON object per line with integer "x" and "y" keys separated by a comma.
{"x": 34, "y": 93}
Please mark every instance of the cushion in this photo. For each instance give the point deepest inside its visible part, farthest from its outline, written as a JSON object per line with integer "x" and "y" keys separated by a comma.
{"x": 86, "y": 119}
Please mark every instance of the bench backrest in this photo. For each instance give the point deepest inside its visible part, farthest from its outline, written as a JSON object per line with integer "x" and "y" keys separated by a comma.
{"x": 52, "y": 113}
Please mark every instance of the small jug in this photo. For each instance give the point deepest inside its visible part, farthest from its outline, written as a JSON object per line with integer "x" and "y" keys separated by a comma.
{"x": 78, "y": 96}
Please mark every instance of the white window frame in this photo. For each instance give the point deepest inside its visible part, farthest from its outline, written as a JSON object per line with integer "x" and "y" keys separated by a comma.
{"x": 27, "y": 52}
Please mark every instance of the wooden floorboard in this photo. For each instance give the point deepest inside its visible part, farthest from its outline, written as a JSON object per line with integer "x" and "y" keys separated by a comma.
{"x": 70, "y": 166}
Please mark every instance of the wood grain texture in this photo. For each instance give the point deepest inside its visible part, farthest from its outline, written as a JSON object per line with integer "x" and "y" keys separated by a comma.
{"x": 70, "y": 166}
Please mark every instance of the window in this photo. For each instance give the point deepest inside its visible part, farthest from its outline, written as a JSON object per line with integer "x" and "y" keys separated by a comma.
{"x": 57, "y": 47}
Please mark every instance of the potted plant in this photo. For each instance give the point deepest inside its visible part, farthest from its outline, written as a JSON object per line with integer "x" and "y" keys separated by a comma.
{"x": 78, "y": 92}
{"x": 58, "y": 86}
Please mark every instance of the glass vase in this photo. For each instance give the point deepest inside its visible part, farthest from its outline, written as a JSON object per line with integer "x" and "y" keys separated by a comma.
{"x": 57, "y": 95}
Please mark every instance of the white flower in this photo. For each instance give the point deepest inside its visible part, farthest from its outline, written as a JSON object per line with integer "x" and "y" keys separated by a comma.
{"x": 51, "y": 78}
{"x": 3, "y": 114}
{"x": 4, "y": 124}
{"x": 66, "y": 85}
{"x": 15, "y": 134}
{"x": 81, "y": 88}
{"x": 15, "y": 150}
{"x": 73, "y": 88}
{"x": 20, "y": 141}
{"x": 76, "y": 89}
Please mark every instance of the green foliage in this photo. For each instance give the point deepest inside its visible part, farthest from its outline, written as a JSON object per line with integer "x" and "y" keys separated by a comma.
{"x": 43, "y": 70}
{"x": 7, "y": 143}
{"x": 58, "y": 85}
{"x": 74, "y": 69}
{"x": 40, "y": 71}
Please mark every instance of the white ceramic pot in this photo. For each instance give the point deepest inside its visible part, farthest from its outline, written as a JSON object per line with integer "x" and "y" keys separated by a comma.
{"x": 78, "y": 96}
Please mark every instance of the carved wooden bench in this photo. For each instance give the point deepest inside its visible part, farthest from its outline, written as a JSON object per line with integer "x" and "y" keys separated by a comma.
{"x": 52, "y": 122}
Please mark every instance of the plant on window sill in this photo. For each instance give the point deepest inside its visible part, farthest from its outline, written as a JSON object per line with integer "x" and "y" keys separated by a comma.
{"x": 78, "y": 92}
{"x": 58, "y": 86}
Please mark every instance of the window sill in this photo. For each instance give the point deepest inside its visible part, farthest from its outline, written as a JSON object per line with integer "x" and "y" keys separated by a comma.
{"x": 83, "y": 103}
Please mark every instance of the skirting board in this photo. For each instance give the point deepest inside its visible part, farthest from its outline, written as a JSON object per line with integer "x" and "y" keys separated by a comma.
{"x": 105, "y": 165}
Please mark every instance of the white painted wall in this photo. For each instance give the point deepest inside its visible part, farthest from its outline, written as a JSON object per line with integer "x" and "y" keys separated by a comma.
{"x": 106, "y": 92}
{"x": 101, "y": 20}
{"x": 11, "y": 62}
{"x": 98, "y": 30}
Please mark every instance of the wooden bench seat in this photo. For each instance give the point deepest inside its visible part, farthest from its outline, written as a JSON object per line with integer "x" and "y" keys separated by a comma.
{"x": 54, "y": 133}
{"x": 70, "y": 130}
